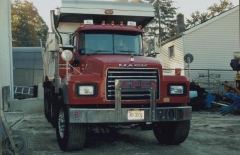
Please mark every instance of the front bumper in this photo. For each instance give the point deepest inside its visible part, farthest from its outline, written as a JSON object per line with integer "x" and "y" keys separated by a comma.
{"x": 77, "y": 115}
{"x": 121, "y": 115}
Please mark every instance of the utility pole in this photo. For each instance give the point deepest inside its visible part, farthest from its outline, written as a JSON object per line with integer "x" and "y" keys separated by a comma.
{"x": 0, "y": 115}
{"x": 159, "y": 22}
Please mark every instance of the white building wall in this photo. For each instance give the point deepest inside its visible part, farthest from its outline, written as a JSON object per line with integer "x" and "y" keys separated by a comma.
{"x": 213, "y": 46}
{"x": 5, "y": 45}
{"x": 174, "y": 62}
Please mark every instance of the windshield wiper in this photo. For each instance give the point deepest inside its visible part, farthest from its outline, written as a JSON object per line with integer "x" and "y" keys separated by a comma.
{"x": 98, "y": 51}
{"x": 126, "y": 51}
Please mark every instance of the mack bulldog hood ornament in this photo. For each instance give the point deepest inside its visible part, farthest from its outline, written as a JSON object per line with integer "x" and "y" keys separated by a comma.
{"x": 132, "y": 57}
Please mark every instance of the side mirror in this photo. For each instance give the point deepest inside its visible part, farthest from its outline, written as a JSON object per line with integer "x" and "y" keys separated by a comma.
{"x": 68, "y": 47}
{"x": 76, "y": 61}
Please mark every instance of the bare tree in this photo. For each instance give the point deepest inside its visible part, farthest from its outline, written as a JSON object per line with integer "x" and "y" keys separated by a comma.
{"x": 216, "y": 9}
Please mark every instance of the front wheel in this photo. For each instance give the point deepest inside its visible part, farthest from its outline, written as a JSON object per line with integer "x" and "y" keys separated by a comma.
{"x": 70, "y": 136}
{"x": 20, "y": 144}
{"x": 172, "y": 133}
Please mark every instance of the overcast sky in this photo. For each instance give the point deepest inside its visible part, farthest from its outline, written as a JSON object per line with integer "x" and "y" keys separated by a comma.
{"x": 185, "y": 7}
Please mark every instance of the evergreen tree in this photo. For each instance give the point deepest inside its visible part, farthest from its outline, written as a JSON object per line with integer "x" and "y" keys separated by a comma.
{"x": 196, "y": 18}
{"x": 164, "y": 23}
{"x": 28, "y": 27}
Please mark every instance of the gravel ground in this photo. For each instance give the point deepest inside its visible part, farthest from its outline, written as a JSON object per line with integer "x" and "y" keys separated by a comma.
{"x": 211, "y": 133}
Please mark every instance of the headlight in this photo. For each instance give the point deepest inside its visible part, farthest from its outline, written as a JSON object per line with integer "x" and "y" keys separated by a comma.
{"x": 177, "y": 89}
{"x": 85, "y": 90}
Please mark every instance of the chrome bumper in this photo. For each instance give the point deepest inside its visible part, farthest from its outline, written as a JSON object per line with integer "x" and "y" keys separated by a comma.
{"x": 120, "y": 115}
{"x": 109, "y": 115}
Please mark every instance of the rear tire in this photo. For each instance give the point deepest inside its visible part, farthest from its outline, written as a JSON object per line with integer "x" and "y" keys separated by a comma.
{"x": 172, "y": 133}
{"x": 47, "y": 104}
{"x": 70, "y": 136}
{"x": 54, "y": 115}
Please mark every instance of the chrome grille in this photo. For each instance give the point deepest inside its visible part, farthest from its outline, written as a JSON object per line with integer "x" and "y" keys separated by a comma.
{"x": 115, "y": 74}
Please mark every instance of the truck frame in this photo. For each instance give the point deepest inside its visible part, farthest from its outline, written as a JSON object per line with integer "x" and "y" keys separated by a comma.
{"x": 89, "y": 82}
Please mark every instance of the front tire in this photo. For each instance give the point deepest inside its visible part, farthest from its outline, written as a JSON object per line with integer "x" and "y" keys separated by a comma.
{"x": 70, "y": 136}
{"x": 172, "y": 133}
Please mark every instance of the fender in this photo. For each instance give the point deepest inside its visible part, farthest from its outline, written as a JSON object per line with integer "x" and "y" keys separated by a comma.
{"x": 64, "y": 88}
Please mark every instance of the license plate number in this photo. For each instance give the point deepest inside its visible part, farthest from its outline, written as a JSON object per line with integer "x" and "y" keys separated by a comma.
{"x": 135, "y": 115}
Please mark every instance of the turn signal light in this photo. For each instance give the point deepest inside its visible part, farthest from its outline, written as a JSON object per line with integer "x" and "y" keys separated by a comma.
{"x": 81, "y": 24}
{"x": 103, "y": 22}
{"x": 121, "y": 23}
{"x": 178, "y": 71}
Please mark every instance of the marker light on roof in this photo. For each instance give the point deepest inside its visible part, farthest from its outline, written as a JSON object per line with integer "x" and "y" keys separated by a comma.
{"x": 90, "y": 21}
{"x": 130, "y": 23}
{"x": 121, "y": 23}
{"x": 112, "y": 23}
{"x": 140, "y": 27}
{"x": 108, "y": 12}
{"x": 103, "y": 22}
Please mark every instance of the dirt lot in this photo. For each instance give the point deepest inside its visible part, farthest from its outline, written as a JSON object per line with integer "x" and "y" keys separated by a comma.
{"x": 211, "y": 133}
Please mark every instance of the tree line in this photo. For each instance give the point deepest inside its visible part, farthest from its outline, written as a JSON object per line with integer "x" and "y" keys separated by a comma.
{"x": 28, "y": 27}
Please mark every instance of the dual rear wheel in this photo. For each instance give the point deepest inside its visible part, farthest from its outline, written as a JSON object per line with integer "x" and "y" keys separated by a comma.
{"x": 50, "y": 107}
{"x": 47, "y": 104}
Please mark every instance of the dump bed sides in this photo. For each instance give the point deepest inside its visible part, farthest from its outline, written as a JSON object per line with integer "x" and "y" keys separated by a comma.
{"x": 75, "y": 11}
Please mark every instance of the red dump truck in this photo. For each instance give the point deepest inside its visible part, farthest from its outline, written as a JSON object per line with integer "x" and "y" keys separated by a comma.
{"x": 96, "y": 73}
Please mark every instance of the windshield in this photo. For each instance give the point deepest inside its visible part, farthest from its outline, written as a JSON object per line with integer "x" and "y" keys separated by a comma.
{"x": 110, "y": 42}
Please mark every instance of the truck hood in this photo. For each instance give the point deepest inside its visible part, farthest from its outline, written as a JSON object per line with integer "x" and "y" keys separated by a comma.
{"x": 119, "y": 60}
{"x": 99, "y": 63}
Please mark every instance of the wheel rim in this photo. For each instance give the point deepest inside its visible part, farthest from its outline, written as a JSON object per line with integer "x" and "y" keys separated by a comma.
{"x": 20, "y": 145}
{"x": 61, "y": 123}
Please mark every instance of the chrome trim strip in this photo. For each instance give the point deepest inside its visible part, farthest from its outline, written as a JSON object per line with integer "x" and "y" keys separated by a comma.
{"x": 131, "y": 77}
{"x": 111, "y": 86}
{"x": 129, "y": 95}
{"x": 131, "y": 72}
{"x": 111, "y": 115}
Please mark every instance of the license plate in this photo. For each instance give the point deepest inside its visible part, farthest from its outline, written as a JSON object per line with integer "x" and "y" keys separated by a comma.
{"x": 135, "y": 115}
